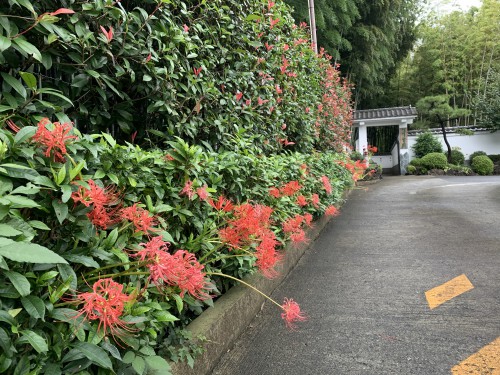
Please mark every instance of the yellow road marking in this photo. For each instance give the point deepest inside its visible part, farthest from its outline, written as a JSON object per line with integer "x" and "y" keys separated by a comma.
{"x": 450, "y": 289}
{"x": 485, "y": 361}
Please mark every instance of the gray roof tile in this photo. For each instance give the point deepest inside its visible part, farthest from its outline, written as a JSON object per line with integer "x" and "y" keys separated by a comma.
{"x": 366, "y": 114}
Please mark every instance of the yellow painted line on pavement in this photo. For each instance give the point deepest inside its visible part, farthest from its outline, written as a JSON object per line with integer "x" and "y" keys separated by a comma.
{"x": 485, "y": 361}
{"x": 450, "y": 289}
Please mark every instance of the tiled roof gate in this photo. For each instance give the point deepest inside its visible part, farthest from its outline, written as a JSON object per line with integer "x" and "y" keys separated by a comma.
{"x": 379, "y": 113}
{"x": 400, "y": 116}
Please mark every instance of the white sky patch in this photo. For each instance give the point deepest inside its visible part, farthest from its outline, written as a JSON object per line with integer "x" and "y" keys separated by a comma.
{"x": 447, "y": 6}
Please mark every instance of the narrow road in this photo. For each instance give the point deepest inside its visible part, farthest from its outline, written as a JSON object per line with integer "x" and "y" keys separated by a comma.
{"x": 363, "y": 286}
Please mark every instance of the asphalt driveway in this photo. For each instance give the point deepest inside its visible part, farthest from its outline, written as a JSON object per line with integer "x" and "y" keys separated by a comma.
{"x": 405, "y": 281}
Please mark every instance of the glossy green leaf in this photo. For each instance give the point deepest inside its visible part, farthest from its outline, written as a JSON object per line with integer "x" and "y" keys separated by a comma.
{"x": 34, "y": 306}
{"x": 8, "y": 231}
{"x": 35, "y": 340}
{"x": 19, "y": 281}
{"x": 94, "y": 353}
{"x": 29, "y": 79}
{"x": 4, "y": 43}
{"x": 15, "y": 84}
{"x": 28, "y": 48}
{"x": 29, "y": 253}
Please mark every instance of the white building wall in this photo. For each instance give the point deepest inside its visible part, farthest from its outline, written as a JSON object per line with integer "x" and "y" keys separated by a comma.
{"x": 386, "y": 161}
{"x": 480, "y": 141}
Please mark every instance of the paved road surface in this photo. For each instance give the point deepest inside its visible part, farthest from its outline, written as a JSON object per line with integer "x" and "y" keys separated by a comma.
{"x": 364, "y": 283}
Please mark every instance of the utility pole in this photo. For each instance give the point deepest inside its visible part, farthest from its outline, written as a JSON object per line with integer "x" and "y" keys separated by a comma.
{"x": 312, "y": 24}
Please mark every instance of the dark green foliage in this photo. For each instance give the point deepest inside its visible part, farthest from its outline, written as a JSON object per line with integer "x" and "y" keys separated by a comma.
{"x": 367, "y": 38}
{"x": 425, "y": 144}
{"x": 488, "y": 104}
{"x": 417, "y": 162}
{"x": 494, "y": 158}
{"x": 457, "y": 157}
{"x": 169, "y": 69}
{"x": 482, "y": 165}
{"x": 476, "y": 153}
{"x": 411, "y": 169}
{"x": 434, "y": 160}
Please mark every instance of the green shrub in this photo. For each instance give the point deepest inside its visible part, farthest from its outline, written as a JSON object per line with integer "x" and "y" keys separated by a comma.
{"x": 411, "y": 169}
{"x": 356, "y": 155}
{"x": 434, "y": 160}
{"x": 482, "y": 165}
{"x": 417, "y": 162}
{"x": 457, "y": 157}
{"x": 474, "y": 154}
{"x": 494, "y": 158}
{"x": 425, "y": 144}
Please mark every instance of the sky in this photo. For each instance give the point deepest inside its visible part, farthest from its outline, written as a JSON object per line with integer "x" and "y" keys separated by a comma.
{"x": 446, "y": 6}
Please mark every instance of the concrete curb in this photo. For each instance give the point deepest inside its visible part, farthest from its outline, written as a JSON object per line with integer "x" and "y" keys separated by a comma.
{"x": 232, "y": 313}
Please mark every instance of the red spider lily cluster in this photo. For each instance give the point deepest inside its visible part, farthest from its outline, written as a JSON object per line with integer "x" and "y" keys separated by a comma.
{"x": 291, "y": 313}
{"x": 54, "y": 139}
{"x": 357, "y": 168}
{"x": 103, "y": 201}
{"x": 105, "y": 304}
{"x": 180, "y": 269}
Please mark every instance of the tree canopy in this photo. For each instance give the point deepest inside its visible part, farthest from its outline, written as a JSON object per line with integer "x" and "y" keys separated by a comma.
{"x": 367, "y": 38}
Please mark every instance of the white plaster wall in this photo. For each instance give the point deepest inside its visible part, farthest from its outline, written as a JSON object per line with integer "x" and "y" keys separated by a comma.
{"x": 386, "y": 161}
{"x": 480, "y": 141}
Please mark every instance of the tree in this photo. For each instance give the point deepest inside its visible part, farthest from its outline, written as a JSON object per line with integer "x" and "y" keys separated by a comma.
{"x": 367, "y": 38}
{"x": 438, "y": 110}
{"x": 488, "y": 104}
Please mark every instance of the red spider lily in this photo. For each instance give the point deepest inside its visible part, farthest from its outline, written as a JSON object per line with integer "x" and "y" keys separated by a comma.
{"x": 181, "y": 269}
{"x": 95, "y": 195}
{"x": 197, "y": 71}
{"x": 326, "y": 184}
{"x": 202, "y": 192}
{"x": 185, "y": 28}
{"x": 100, "y": 217}
{"x": 54, "y": 140}
{"x": 293, "y": 224}
{"x": 188, "y": 189}
{"x": 298, "y": 237}
{"x": 331, "y": 211}
{"x": 238, "y": 95}
{"x": 308, "y": 219}
{"x": 286, "y": 47}
{"x": 107, "y": 34}
{"x": 270, "y": 4}
{"x": 267, "y": 256}
{"x": 372, "y": 149}
{"x": 222, "y": 204}
{"x": 303, "y": 25}
{"x": 274, "y": 192}
{"x": 290, "y": 188}
{"x": 105, "y": 303}
{"x": 248, "y": 102}
{"x": 301, "y": 201}
{"x": 272, "y": 22}
{"x": 291, "y": 313}
{"x": 315, "y": 200}
{"x": 139, "y": 217}
{"x": 308, "y": 109}
{"x": 250, "y": 224}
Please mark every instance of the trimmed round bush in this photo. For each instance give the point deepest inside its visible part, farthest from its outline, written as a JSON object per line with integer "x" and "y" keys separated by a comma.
{"x": 434, "y": 160}
{"x": 476, "y": 153}
{"x": 426, "y": 143}
{"x": 457, "y": 157}
{"x": 417, "y": 162}
{"x": 482, "y": 165}
{"x": 411, "y": 169}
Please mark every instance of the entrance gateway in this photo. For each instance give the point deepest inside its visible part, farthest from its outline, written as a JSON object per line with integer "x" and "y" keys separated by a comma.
{"x": 397, "y": 162}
